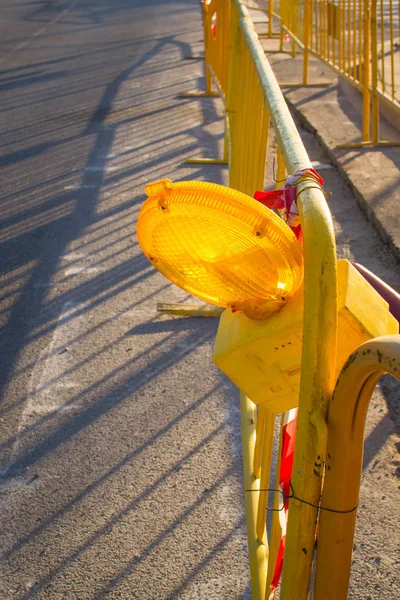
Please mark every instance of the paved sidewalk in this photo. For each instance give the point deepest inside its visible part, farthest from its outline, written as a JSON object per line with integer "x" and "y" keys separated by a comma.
{"x": 333, "y": 114}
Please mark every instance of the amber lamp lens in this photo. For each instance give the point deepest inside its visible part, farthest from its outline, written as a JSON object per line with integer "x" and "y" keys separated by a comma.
{"x": 220, "y": 245}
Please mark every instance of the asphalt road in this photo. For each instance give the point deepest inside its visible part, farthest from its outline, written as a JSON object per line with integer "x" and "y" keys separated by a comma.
{"x": 120, "y": 444}
{"x": 119, "y": 441}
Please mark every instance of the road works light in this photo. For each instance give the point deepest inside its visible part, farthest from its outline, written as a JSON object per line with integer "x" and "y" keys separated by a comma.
{"x": 220, "y": 245}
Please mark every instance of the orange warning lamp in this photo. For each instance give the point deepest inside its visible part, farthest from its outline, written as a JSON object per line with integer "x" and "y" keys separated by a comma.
{"x": 220, "y": 245}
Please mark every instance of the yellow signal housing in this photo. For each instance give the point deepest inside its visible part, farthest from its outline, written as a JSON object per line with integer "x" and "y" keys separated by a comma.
{"x": 220, "y": 245}
{"x": 263, "y": 358}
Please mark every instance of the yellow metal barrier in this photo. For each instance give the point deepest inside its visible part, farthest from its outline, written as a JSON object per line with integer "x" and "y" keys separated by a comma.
{"x": 261, "y": 98}
{"x": 253, "y": 102}
{"x": 253, "y": 99}
{"x": 359, "y": 39}
{"x": 347, "y": 414}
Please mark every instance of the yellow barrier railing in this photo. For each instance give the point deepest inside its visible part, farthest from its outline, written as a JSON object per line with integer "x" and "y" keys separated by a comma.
{"x": 253, "y": 98}
{"x": 359, "y": 39}
{"x": 304, "y": 351}
{"x": 253, "y": 102}
{"x": 216, "y": 21}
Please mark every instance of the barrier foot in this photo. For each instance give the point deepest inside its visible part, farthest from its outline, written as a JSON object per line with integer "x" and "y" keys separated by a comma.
{"x": 195, "y": 57}
{"x": 310, "y": 85}
{"x": 206, "y": 161}
{"x": 198, "y": 95}
{"x": 370, "y": 144}
{"x": 190, "y": 310}
{"x": 265, "y": 34}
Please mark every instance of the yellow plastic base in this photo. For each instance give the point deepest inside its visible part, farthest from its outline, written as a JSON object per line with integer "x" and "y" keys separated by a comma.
{"x": 263, "y": 358}
{"x": 220, "y": 245}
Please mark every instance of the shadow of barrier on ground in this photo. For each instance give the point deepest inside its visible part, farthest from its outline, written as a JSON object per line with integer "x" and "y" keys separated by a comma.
{"x": 36, "y": 313}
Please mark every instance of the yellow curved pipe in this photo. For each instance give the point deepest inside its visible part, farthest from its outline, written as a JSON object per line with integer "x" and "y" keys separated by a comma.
{"x": 346, "y": 422}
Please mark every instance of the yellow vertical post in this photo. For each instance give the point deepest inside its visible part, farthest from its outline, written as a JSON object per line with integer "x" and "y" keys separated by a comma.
{"x": 398, "y": 15}
{"x": 341, "y": 34}
{"x": 346, "y": 422}
{"x": 307, "y": 37}
{"x": 283, "y": 18}
{"x": 344, "y": 24}
{"x": 264, "y": 135}
{"x": 362, "y": 5}
{"x": 244, "y": 124}
{"x": 328, "y": 37}
{"x": 275, "y": 532}
{"x": 348, "y": 37}
{"x": 333, "y": 32}
{"x": 391, "y": 47}
{"x": 281, "y": 39}
{"x": 366, "y": 73}
{"x": 292, "y": 22}
{"x": 233, "y": 96}
{"x": 258, "y": 447}
{"x": 251, "y": 125}
{"x": 257, "y": 551}
{"x": 325, "y": 29}
{"x": 268, "y": 439}
{"x": 316, "y": 385}
{"x": 207, "y": 46}
{"x": 338, "y": 29}
{"x": 226, "y": 143}
{"x": 270, "y": 13}
{"x": 374, "y": 73}
{"x": 355, "y": 40}
{"x": 383, "y": 47}
{"x": 281, "y": 169}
